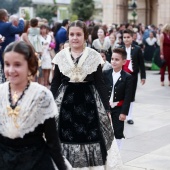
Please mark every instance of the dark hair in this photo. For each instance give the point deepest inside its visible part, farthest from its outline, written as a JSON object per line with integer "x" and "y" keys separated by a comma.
{"x": 94, "y": 32}
{"x": 104, "y": 30}
{"x": 3, "y": 13}
{"x": 43, "y": 26}
{"x": 81, "y": 25}
{"x": 34, "y": 22}
{"x": 120, "y": 51}
{"x": 65, "y": 22}
{"x": 24, "y": 48}
{"x": 128, "y": 31}
{"x": 56, "y": 27}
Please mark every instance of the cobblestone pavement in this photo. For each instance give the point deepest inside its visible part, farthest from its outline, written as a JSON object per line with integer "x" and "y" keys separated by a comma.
{"x": 147, "y": 143}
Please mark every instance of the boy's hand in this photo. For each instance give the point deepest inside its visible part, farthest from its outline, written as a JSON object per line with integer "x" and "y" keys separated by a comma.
{"x": 122, "y": 117}
{"x": 142, "y": 81}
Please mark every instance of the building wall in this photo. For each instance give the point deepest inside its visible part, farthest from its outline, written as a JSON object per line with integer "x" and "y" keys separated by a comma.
{"x": 149, "y": 11}
{"x": 163, "y": 12}
{"x": 114, "y": 11}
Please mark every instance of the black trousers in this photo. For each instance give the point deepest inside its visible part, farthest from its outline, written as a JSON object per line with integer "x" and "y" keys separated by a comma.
{"x": 118, "y": 125}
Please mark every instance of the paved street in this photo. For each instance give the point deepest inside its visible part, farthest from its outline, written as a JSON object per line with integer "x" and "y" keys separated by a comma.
{"x": 147, "y": 143}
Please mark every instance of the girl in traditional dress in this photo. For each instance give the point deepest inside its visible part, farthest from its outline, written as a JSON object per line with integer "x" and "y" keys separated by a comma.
{"x": 84, "y": 128}
{"x": 149, "y": 49}
{"x": 28, "y": 136}
{"x": 101, "y": 44}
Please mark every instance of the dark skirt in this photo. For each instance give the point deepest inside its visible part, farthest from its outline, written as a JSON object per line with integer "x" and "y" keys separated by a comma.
{"x": 84, "y": 128}
{"x": 32, "y": 157}
{"x": 78, "y": 121}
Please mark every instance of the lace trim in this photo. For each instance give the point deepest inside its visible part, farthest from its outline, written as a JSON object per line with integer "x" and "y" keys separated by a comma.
{"x": 37, "y": 105}
{"x": 151, "y": 41}
{"x": 81, "y": 156}
{"x": 97, "y": 44}
{"x": 74, "y": 152}
{"x": 87, "y": 64}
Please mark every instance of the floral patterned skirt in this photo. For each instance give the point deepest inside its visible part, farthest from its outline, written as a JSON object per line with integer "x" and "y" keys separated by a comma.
{"x": 84, "y": 128}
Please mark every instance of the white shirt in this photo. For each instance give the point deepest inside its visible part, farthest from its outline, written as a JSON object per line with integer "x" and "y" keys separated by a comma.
{"x": 128, "y": 50}
{"x": 115, "y": 76}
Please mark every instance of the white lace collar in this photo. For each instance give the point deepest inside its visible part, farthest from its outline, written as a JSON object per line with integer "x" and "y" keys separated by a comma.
{"x": 87, "y": 64}
{"x": 97, "y": 44}
{"x": 36, "y": 106}
{"x": 151, "y": 41}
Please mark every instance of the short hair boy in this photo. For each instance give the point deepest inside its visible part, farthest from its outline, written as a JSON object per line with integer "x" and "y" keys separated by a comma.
{"x": 134, "y": 64}
{"x": 119, "y": 84}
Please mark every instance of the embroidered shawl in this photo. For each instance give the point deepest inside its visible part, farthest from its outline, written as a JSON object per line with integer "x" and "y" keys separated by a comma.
{"x": 88, "y": 63}
{"x": 36, "y": 106}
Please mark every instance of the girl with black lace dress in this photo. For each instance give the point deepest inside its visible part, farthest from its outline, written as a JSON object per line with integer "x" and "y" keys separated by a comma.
{"x": 85, "y": 131}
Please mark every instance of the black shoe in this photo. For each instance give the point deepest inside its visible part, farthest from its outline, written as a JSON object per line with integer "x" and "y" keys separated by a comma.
{"x": 131, "y": 122}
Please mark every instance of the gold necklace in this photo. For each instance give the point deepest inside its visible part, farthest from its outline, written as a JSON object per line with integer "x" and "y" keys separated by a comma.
{"x": 13, "y": 110}
{"x": 15, "y": 97}
{"x": 14, "y": 114}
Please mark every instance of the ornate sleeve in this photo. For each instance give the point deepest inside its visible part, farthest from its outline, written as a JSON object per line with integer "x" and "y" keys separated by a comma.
{"x": 56, "y": 81}
{"x": 101, "y": 87}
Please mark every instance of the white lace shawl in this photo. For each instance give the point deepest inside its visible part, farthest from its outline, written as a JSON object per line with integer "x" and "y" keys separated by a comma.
{"x": 36, "y": 106}
{"x": 87, "y": 64}
{"x": 97, "y": 44}
{"x": 151, "y": 41}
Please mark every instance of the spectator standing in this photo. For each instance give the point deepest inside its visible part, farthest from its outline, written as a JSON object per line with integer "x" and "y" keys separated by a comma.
{"x": 8, "y": 30}
{"x": 34, "y": 35}
{"x": 101, "y": 44}
{"x": 61, "y": 35}
{"x": 165, "y": 52}
{"x": 45, "y": 57}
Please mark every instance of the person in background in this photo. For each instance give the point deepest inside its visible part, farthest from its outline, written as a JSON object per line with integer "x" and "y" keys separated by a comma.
{"x": 34, "y": 35}
{"x": 119, "y": 84}
{"x": 113, "y": 41}
{"x": 8, "y": 31}
{"x": 106, "y": 65}
{"x": 2, "y": 78}
{"x": 46, "y": 59}
{"x": 150, "y": 47}
{"x": 102, "y": 44}
{"x": 28, "y": 135}
{"x": 134, "y": 64}
{"x": 61, "y": 35}
{"x": 24, "y": 35}
{"x": 81, "y": 96}
{"x": 165, "y": 52}
{"x": 14, "y": 20}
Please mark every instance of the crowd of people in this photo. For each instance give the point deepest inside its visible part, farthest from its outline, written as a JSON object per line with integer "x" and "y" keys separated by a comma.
{"x": 66, "y": 91}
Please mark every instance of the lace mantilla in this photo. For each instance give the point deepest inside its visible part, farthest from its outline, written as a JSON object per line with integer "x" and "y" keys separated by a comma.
{"x": 151, "y": 41}
{"x": 87, "y": 64}
{"x": 36, "y": 106}
{"x": 97, "y": 44}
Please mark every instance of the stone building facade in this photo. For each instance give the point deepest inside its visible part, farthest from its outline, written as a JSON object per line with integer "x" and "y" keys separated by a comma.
{"x": 148, "y": 11}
